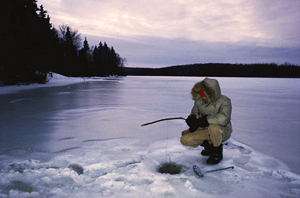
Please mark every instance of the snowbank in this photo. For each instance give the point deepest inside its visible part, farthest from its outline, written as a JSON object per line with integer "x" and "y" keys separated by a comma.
{"x": 55, "y": 80}
{"x": 120, "y": 168}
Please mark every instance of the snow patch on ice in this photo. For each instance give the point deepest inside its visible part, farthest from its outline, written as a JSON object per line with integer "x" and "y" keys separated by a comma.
{"x": 55, "y": 80}
{"x": 122, "y": 168}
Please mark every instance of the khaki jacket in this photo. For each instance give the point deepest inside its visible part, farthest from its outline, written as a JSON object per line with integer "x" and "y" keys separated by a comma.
{"x": 218, "y": 108}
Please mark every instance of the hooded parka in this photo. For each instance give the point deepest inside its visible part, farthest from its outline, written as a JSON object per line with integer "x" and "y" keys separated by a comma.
{"x": 217, "y": 107}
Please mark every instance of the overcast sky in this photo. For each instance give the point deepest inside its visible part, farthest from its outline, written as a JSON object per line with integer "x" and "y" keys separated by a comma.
{"x": 156, "y": 33}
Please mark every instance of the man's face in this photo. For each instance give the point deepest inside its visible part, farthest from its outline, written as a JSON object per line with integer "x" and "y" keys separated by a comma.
{"x": 204, "y": 98}
{"x": 203, "y": 95}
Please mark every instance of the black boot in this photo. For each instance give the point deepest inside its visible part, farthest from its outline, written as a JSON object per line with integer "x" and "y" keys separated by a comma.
{"x": 216, "y": 155}
{"x": 207, "y": 148}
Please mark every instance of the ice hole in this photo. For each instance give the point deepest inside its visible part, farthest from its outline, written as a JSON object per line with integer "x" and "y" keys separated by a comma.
{"x": 170, "y": 168}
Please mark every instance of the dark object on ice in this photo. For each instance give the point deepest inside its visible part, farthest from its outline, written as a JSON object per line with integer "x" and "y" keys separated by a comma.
{"x": 163, "y": 120}
{"x": 216, "y": 155}
{"x": 200, "y": 173}
{"x": 170, "y": 168}
{"x": 77, "y": 168}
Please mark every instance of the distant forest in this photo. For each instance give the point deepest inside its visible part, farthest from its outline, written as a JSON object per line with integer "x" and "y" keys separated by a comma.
{"x": 221, "y": 70}
{"x": 32, "y": 48}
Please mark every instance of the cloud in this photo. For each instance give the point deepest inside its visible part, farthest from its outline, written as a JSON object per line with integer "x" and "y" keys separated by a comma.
{"x": 223, "y": 20}
{"x": 279, "y": 20}
{"x": 163, "y": 32}
{"x": 161, "y": 52}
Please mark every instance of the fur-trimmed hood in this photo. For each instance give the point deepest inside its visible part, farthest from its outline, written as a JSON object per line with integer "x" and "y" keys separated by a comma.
{"x": 211, "y": 88}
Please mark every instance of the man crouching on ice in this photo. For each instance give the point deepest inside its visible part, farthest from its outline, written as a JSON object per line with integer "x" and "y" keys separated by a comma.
{"x": 209, "y": 120}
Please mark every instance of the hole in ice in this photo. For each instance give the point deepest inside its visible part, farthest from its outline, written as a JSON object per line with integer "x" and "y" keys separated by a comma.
{"x": 170, "y": 168}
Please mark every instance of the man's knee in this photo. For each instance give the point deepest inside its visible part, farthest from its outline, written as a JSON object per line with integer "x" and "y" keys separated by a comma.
{"x": 185, "y": 132}
{"x": 215, "y": 129}
{"x": 188, "y": 139}
{"x": 216, "y": 134}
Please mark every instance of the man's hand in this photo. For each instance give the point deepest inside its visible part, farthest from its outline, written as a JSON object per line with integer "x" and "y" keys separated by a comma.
{"x": 192, "y": 123}
{"x": 195, "y": 123}
{"x": 191, "y": 120}
{"x": 202, "y": 121}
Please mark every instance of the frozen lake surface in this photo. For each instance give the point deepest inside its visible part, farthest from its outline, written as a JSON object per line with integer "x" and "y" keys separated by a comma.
{"x": 83, "y": 138}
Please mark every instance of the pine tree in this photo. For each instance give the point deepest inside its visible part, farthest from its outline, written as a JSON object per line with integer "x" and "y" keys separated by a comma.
{"x": 85, "y": 58}
{"x": 28, "y": 34}
{"x": 105, "y": 61}
{"x": 70, "y": 43}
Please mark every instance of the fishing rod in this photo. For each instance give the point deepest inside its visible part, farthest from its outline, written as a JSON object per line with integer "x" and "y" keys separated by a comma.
{"x": 176, "y": 118}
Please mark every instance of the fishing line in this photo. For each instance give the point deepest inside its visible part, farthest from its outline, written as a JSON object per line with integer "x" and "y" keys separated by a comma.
{"x": 169, "y": 167}
{"x": 167, "y": 143}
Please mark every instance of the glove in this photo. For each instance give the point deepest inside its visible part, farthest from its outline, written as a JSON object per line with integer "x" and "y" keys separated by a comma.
{"x": 202, "y": 121}
{"x": 195, "y": 123}
{"x": 192, "y": 129}
{"x": 192, "y": 122}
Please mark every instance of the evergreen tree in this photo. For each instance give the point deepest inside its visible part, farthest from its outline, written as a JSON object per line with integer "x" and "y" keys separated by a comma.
{"x": 85, "y": 58}
{"x": 95, "y": 61}
{"x": 32, "y": 47}
{"x": 106, "y": 61}
{"x": 70, "y": 43}
{"x": 28, "y": 35}
{"x": 74, "y": 36}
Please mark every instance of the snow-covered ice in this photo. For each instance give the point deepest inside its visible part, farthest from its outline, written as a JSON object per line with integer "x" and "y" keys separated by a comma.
{"x": 75, "y": 137}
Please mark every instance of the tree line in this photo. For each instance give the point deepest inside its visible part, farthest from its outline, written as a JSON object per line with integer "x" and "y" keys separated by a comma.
{"x": 221, "y": 70}
{"x": 33, "y": 48}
